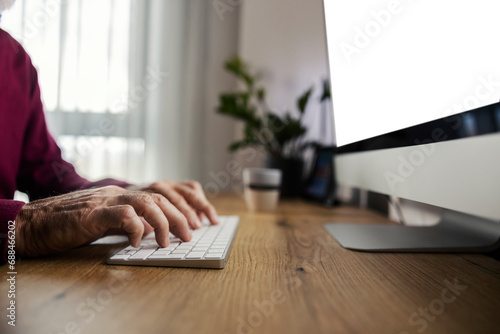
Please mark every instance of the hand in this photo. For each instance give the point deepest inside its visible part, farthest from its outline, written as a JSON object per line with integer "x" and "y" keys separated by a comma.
{"x": 189, "y": 198}
{"x": 59, "y": 223}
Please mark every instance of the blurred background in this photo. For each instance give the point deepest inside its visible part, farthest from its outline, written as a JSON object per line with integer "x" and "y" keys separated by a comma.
{"x": 131, "y": 87}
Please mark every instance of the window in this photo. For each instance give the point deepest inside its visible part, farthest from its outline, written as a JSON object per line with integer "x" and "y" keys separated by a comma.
{"x": 82, "y": 52}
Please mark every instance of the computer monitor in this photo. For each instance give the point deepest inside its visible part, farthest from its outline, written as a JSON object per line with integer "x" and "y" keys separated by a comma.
{"x": 415, "y": 90}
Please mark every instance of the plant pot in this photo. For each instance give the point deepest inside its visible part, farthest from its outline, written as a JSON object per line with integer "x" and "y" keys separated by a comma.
{"x": 292, "y": 175}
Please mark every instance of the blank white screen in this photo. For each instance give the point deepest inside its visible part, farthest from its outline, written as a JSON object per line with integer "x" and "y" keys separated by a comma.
{"x": 417, "y": 61}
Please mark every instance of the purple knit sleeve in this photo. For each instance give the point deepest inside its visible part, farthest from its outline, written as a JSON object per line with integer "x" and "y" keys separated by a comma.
{"x": 42, "y": 171}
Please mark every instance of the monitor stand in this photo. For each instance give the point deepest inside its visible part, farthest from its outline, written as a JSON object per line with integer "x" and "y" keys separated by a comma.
{"x": 456, "y": 232}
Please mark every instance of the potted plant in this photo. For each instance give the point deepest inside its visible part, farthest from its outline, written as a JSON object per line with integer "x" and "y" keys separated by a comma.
{"x": 282, "y": 136}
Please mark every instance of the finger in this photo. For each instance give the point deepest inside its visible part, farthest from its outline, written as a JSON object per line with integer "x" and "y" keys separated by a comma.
{"x": 145, "y": 205}
{"x": 191, "y": 184}
{"x": 196, "y": 186}
{"x": 178, "y": 222}
{"x": 147, "y": 228}
{"x": 123, "y": 217}
{"x": 119, "y": 231}
{"x": 198, "y": 201}
{"x": 180, "y": 203}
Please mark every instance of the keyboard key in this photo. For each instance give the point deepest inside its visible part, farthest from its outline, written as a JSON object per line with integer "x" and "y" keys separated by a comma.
{"x": 120, "y": 257}
{"x": 164, "y": 256}
{"x": 175, "y": 256}
{"x": 214, "y": 256}
{"x": 195, "y": 255}
{"x": 215, "y": 251}
{"x": 165, "y": 252}
{"x": 133, "y": 248}
{"x": 142, "y": 254}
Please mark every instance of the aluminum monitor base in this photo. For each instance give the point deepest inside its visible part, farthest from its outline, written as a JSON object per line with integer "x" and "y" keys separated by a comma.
{"x": 457, "y": 232}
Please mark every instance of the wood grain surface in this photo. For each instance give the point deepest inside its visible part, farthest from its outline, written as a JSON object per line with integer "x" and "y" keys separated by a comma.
{"x": 285, "y": 274}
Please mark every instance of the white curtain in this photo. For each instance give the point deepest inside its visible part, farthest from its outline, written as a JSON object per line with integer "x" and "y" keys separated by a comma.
{"x": 130, "y": 86}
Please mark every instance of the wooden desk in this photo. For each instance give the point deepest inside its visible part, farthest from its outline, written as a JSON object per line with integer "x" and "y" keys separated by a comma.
{"x": 285, "y": 275}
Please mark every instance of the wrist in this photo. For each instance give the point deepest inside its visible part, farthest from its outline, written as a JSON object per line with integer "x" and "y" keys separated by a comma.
{"x": 27, "y": 246}
{"x": 19, "y": 229}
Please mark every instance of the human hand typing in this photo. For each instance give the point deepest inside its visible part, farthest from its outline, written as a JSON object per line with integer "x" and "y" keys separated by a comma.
{"x": 59, "y": 223}
{"x": 188, "y": 197}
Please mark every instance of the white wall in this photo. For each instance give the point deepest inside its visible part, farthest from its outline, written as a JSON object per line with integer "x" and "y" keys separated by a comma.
{"x": 285, "y": 41}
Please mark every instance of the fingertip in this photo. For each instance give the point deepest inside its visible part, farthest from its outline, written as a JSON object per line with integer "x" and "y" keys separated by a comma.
{"x": 188, "y": 236}
{"x": 135, "y": 242}
{"x": 214, "y": 219}
{"x": 161, "y": 239}
{"x": 194, "y": 221}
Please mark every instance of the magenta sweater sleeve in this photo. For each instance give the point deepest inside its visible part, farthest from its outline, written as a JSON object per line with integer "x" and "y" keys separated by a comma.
{"x": 30, "y": 160}
{"x": 42, "y": 171}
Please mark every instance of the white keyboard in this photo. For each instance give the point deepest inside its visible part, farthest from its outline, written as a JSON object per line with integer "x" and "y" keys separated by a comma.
{"x": 209, "y": 248}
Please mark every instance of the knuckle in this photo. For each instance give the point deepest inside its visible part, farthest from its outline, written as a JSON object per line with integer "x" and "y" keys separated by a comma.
{"x": 194, "y": 184}
{"x": 147, "y": 199}
{"x": 156, "y": 185}
{"x": 111, "y": 189}
{"x": 158, "y": 198}
{"x": 191, "y": 194}
{"x": 127, "y": 211}
{"x": 175, "y": 198}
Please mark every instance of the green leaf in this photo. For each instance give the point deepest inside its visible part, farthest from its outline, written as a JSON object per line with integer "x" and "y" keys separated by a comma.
{"x": 239, "y": 68}
{"x": 326, "y": 91}
{"x": 261, "y": 94}
{"x": 236, "y": 106}
{"x": 285, "y": 129}
{"x": 302, "y": 100}
{"x": 274, "y": 122}
{"x": 294, "y": 128}
{"x": 238, "y": 145}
